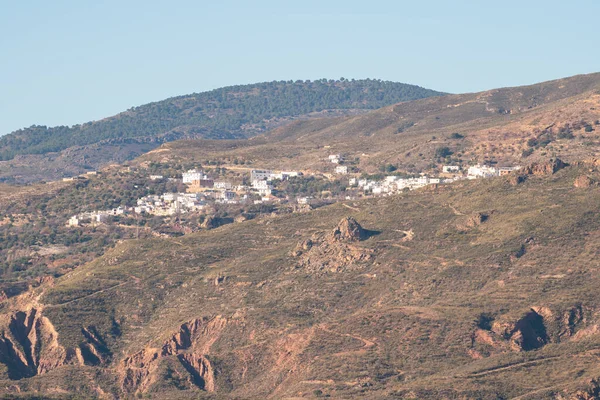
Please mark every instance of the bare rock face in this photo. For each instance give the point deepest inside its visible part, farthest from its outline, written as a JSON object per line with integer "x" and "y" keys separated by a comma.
{"x": 29, "y": 346}
{"x": 516, "y": 179}
{"x": 244, "y": 217}
{"x": 583, "y": 182}
{"x": 210, "y": 223}
{"x": 527, "y": 333}
{"x": 190, "y": 345}
{"x": 592, "y": 392}
{"x": 545, "y": 168}
{"x": 348, "y": 230}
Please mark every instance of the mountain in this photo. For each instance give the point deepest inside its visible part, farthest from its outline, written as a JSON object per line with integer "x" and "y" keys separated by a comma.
{"x": 232, "y": 112}
{"x": 515, "y": 126}
{"x": 479, "y": 289}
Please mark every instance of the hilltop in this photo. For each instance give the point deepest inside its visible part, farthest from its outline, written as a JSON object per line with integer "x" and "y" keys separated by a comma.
{"x": 517, "y": 125}
{"x": 233, "y": 112}
{"x": 480, "y": 289}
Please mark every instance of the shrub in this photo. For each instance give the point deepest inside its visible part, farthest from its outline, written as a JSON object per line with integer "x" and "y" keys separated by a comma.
{"x": 443, "y": 152}
{"x": 456, "y": 135}
{"x": 388, "y": 168}
{"x": 532, "y": 142}
{"x": 526, "y": 153}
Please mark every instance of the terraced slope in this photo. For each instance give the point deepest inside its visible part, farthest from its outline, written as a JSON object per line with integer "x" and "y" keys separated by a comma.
{"x": 480, "y": 289}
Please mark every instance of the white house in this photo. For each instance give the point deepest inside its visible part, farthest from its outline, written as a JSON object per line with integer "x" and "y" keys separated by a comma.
{"x": 289, "y": 174}
{"x": 352, "y": 181}
{"x": 156, "y": 177}
{"x": 260, "y": 174}
{"x": 73, "y": 221}
{"x": 481, "y": 171}
{"x": 450, "y": 168}
{"x": 265, "y": 191}
{"x": 222, "y": 185}
{"x": 193, "y": 175}
{"x": 335, "y": 158}
{"x": 303, "y": 200}
{"x": 260, "y": 184}
{"x": 169, "y": 197}
{"x": 341, "y": 169}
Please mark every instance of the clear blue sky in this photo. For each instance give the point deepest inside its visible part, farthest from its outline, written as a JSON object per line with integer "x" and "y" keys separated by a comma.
{"x": 67, "y": 62}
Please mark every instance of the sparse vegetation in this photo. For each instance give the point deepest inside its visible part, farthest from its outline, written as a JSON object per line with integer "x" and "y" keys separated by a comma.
{"x": 443, "y": 152}
{"x": 236, "y": 111}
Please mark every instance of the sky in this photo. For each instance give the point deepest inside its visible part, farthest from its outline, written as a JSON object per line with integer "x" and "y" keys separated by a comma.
{"x": 68, "y": 62}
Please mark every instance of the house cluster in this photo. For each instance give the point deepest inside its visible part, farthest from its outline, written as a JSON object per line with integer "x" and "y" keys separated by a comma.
{"x": 261, "y": 180}
{"x": 261, "y": 185}
{"x": 339, "y": 159}
{"x": 394, "y": 184}
{"x": 95, "y": 217}
{"x": 170, "y": 204}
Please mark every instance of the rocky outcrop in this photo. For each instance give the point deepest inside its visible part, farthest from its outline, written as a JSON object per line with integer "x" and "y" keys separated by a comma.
{"x": 592, "y": 392}
{"x": 212, "y": 222}
{"x": 516, "y": 179}
{"x": 527, "y": 333}
{"x": 190, "y": 346}
{"x": 472, "y": 221}
{"x": 536, "y": 328}
{"x": 583, "y": 182}
{"x": 536, "y": 169}
{"x": 244, "y": 217}
{"x": 544, "y": 168}
{"x": 335, "y": 251}
{"x": 348, "y": 230}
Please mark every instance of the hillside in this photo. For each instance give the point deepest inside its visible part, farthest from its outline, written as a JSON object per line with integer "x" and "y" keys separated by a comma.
{"x": 231, "y": 112}
{"x": 459, "y": 289}
{"x": 479, "y": 289}
{"x": 506, "y": 126}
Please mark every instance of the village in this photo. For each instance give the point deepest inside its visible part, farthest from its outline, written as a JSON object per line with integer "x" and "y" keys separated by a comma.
{"x": 203, "y": 192}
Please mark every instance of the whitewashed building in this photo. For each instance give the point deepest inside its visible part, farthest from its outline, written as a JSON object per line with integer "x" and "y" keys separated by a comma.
{"x": 260, "y": 174}
{"x": 223, "y": 185}
{"x": 335, "y": 158}
{"x": 73, "y": 221}
{"x": 341, "y": 169}
{"x": 448, "y": 169}
{"x": 193, "y": 175}
{"x": 481, "y": 171}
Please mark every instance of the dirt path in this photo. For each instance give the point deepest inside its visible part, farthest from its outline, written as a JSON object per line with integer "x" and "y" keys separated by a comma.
{"x": 88, "y": 295}
{"x": 524, "y": 396}
{"x": 367, "y": 343}
{"x": 352, "y": 208}
{"x": 454, "y": 210}
{"x": 510, "y": 366}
